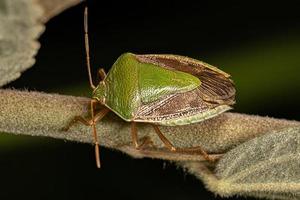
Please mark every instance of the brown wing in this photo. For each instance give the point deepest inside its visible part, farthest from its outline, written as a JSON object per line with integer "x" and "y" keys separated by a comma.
{"x": 216, "y": 85}
{"x": 179, "y": 106}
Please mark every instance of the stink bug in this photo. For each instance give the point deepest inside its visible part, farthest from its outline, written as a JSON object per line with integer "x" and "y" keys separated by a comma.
{"x": 166, "y": 90}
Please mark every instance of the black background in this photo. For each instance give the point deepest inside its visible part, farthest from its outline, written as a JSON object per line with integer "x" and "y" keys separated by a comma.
{"x": 53, "y": 169}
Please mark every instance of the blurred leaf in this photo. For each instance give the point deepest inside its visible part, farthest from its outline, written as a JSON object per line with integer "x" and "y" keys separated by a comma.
{"x": 266, "y": 166}
{"x": 18, "y": 34}
{"x": 20, "y": 22}
{"x": 54, "y": 7}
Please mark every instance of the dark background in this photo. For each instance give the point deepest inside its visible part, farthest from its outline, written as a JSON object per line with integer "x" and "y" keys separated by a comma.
{"x": 259, "y": 44}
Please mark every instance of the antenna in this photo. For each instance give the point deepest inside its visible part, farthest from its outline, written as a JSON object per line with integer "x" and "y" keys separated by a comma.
{"x": 87, "y": 48}
{"x": 87, "y": 51}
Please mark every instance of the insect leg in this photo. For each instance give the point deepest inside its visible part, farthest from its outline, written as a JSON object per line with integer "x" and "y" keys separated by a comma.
{"x": 94, "y": 119}
{"x": 198, "y": 149}
{"x": 91, "y": 122}
{"x": 171, "y": 147}
{"x": 102, "y": 74}
{"x": 75, "y": 120}
{"x": 167, "y": 143}
{"x": 84, "y": 121}
{"x": 134, "y": 135}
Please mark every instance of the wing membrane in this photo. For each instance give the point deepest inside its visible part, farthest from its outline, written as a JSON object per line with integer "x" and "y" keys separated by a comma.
{"x": 216, "y": 85}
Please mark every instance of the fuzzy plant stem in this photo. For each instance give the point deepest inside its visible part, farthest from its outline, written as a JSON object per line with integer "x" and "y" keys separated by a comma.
{"x": 40, "y": 114}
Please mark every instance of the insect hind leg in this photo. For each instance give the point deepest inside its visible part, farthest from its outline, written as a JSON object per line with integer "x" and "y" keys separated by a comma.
{"x": 172, "y": 148}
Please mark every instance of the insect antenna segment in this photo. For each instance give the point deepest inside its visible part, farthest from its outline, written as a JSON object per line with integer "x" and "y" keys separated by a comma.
{"x": 87, "y": 48}
{"x": 87, "y": 51}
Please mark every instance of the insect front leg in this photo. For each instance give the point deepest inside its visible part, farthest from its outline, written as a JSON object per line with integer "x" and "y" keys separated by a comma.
{"x": 171, "y": 147}
{"x": 87, "y": 122}
{"x": 94, "y": 119}
{"x": 92, "y": 122}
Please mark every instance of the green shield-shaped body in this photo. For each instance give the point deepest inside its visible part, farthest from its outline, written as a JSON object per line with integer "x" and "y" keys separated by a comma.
{"x": 165, "y": 89}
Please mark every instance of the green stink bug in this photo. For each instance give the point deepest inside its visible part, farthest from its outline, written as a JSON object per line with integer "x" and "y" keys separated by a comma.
{"x": 166, "y": 90}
